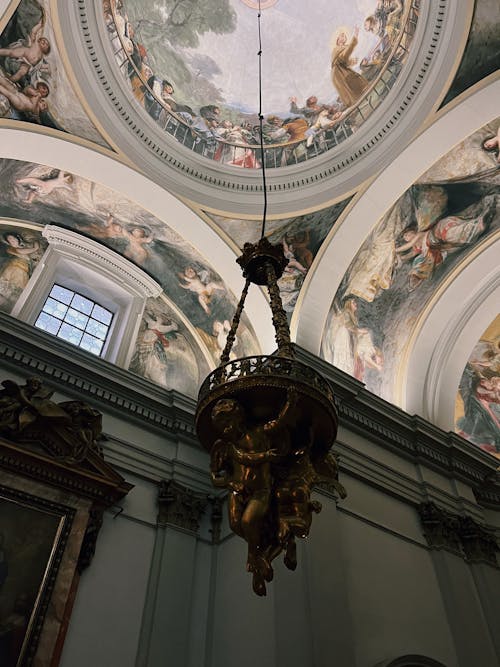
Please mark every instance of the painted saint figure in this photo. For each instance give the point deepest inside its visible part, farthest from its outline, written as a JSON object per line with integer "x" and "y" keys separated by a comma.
{"x": 17, "y": 269}
{"x": 350, "y": 84}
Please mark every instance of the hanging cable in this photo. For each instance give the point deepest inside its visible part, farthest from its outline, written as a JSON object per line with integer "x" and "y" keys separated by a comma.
{"x": 261, "y": 125}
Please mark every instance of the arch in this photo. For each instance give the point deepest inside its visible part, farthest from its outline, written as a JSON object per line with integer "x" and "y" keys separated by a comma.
{"x": 39, "y": 147}
{"x": 411, "y": 661}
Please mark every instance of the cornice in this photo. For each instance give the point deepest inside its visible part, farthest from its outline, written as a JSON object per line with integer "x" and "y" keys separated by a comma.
{"x": 111, "y": 389}
{"x": 198, "y": 179}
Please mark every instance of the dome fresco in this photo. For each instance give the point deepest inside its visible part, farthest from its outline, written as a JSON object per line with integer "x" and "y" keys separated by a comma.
{"x": 193, "y": 68}
{"x": 477, "y": 408}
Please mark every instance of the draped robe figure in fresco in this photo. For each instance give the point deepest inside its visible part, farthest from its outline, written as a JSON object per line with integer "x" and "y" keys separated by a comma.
{"x": 16, "y": 271}
{"x": 349, "y": 84}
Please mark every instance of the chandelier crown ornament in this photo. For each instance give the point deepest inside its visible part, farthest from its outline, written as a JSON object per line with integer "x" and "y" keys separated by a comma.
{"x": 268, "y": 422}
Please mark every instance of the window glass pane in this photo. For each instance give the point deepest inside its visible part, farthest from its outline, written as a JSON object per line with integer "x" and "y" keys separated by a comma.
{"x": 70, "y": 333}
{"x": 82, "y": 304}
{"x": 97, "y": 329}
{"x": 102, "y": 314}
{"x": 61, "y": 294}
{"x": 55, "y": 308}
{"x": 77, "y": 319}
{"x": 91, "y": 344}
{"x": 73, "y": 323}
{"x": 48, "y": 323}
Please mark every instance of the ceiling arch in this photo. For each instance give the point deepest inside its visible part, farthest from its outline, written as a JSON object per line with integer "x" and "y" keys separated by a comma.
{"x": 371, "y": 204}
{"x": 458, "y": 317}
{"x": 97, "y": 168}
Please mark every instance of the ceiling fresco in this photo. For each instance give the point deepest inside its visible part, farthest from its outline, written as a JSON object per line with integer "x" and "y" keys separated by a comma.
{"x": 44, "y": 195}
{"x": 480, "y": 57}
{"x": 300, "y": 236}
{"x": 434, "y": 226}
{"x": 193, "y": 68}
{"x": 164, "y": 352}
{"x": 34, "y": 86}
{"x": 477, "y": 408}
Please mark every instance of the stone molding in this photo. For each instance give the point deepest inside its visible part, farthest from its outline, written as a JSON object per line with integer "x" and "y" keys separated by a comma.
{"x": 28, "y": 351}
{"x": 461, "y": 535}
{"x": 180, "y": 506}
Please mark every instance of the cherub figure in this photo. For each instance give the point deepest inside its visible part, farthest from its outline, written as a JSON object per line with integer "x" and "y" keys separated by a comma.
{"x": 199, "y": 283}
{"x": 31, "y": 100}
{"x": 28, "y": 54}
{"x": 241, "y": 461}
{"x": 109, "y": 229}
{"x": 293, "y": 263}
{"x": 41, "y": 186}
{"x": 138, "y": 238}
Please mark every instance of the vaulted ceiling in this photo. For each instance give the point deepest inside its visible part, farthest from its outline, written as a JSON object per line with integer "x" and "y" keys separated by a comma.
{"x": 133, "y": 123}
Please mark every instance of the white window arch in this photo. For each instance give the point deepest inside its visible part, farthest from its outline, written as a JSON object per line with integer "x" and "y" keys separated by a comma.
{"x": 98, "y": 273}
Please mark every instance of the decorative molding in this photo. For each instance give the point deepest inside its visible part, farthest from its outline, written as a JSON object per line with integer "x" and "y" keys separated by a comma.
{"x": 441, "y": 528}
{"x": 461, "y": 535}
{"x": 479, "y": 543}
{"x": 179, "y": 506}
{"x": 118, "y": 268}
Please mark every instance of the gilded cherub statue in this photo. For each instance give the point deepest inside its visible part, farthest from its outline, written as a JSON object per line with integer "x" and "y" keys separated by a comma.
{"x": 242, "y": 461}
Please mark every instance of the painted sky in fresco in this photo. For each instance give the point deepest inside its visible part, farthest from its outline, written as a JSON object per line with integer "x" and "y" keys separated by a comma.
{"x": 433, "y": 227}
{"x": 297, "y": 48}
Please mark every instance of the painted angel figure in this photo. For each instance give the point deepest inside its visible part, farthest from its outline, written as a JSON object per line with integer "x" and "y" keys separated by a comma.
{"x": 28, "y": 53}
{"x": 41, "y": 186}
{"x": 199, "y": 282}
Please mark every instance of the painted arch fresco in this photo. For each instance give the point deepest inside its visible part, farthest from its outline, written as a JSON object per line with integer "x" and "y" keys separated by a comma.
{"x": 477, "y": 408}
{"x": 44, "y": 195}
{"x": 450, "y": 212}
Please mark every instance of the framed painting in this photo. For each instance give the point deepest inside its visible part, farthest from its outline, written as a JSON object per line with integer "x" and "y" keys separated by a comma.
{"x": 33, "y": 535}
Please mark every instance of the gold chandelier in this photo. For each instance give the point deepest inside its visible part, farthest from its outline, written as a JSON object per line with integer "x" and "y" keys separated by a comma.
{"x": 268, "y": 422}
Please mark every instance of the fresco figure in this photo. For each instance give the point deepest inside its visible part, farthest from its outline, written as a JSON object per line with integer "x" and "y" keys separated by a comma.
{"x": 430, "y": 247}
{"x": 41, "y": 186}
{"x": 349, "y": 346}
{"x": 30, "y": 102}
{"x": 480, "y": 392}
{"x": 29, "y": 52}
{"x": 349, "y": 84}
{"x": 17, "y": 269}
{"x": 138, "y": 238}
{"x": 199, "y": 282}
{"x": 151, "y": 359}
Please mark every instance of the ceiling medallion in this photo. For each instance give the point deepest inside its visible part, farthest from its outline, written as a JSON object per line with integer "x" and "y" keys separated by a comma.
{"x": 269, "y": 423}
{"x": 265, "y": 4}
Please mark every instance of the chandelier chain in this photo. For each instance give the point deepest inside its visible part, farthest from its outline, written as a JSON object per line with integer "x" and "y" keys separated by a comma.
{"x": 261, "y": 126}
{"x": 231, "y": 336}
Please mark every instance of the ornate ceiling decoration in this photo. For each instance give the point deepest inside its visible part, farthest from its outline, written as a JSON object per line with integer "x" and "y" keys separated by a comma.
{"x": 310, "y": 182}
